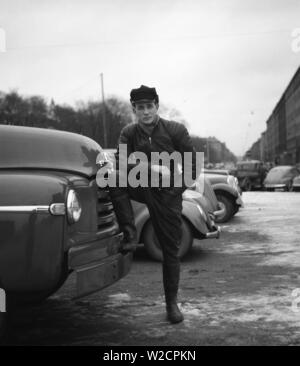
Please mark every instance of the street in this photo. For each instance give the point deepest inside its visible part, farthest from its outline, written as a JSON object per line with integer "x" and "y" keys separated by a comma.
{"x": 236, "y": 290}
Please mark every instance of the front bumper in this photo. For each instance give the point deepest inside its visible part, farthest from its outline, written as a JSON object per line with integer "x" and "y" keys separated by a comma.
{"x": 214, "y": 230}
{"x": 275, "y": 186}
{"x": 96, "y": 276}
{"x": 214, "y": 234}
{"x": 98, "y": 264}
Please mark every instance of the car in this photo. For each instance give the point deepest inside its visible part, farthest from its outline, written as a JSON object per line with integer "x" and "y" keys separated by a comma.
{"x": 199, "y": 210}
{"x": 281, "y": 177}
{"x": 250, "y": 174}
{"x": 228, "y": 193}
{"x": 54, "y": 219}
{"x": 198, "y": 214}
{"x": 296, "y": 183}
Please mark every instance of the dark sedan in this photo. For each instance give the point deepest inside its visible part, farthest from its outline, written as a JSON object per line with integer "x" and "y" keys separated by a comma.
{"x": 54, "y": 219}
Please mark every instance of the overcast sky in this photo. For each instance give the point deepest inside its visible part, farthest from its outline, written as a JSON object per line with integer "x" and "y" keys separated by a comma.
{"x": 223, "y": 64}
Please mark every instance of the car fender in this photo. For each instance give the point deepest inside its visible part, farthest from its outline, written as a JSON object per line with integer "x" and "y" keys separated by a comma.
{"x": 31, "y": 246}
{"x": 225, "y": 187}
{"x": 190, "y": 211}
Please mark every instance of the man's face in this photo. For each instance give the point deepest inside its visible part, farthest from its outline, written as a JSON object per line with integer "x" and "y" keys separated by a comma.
{"x": 146, "y": 111}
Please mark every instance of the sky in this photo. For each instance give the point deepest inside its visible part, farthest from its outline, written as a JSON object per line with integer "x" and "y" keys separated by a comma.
{"x": 223, "y": 64}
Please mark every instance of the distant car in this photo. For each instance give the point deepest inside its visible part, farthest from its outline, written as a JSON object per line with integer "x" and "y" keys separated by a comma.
{"x": 250, "y": 174}
{"x": 296, "y": 183}
{"x": 54, "y": 219}
{"x": 281, "y": 177}
{"x": 228, "y": 193}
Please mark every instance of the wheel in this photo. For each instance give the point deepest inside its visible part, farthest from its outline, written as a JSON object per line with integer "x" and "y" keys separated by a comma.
{"x": 152, "y": 245}
{"x": 227, "y": 204}
{"x": 236, "y": 209}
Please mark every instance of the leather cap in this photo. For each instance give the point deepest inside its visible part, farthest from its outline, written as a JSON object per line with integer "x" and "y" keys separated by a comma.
{"x": 143, "y": 93}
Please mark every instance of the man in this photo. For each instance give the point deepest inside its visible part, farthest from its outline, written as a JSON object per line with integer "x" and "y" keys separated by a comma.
{"x": 154, "y": 134}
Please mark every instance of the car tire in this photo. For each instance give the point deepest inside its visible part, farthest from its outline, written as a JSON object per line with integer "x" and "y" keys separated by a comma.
{"x": 228, "y": 205}
{"x": 152, "y": 245}
{"x": 236, "y": 209}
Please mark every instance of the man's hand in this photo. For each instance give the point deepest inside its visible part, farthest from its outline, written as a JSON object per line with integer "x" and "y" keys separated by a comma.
{"x": 161, "y": 169}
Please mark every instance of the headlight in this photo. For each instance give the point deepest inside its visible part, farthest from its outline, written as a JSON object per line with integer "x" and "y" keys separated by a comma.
{"x": 73, "y": 207}
{"x": 233, "y": 182}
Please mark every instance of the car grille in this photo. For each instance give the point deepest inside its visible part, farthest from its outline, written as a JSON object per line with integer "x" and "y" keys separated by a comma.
{"x": 105, "y": 210}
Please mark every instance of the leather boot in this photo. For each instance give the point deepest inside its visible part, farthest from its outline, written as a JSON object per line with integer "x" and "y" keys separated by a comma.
{"x": 171, "y": 273}
{"x": 174, "y": 315}
{"x": 125, "y": 216}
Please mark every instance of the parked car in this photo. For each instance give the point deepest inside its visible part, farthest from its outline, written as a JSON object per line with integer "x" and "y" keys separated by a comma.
{"x": 200, "y": 208}
{"x": 250, "y": 174}
{"x": 281, "y": 177}
{"x": 198, "y": 216}
{"x": 228, "y": 193}
{"x": 54, "y": 219}
{"x": 296, "y": 183}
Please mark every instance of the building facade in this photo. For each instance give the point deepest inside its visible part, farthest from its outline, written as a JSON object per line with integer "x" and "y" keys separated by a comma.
{"x": 280, "y": 142}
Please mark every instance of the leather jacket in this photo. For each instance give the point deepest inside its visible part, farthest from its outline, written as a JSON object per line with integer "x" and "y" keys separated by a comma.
{"x": 166, "y": 136}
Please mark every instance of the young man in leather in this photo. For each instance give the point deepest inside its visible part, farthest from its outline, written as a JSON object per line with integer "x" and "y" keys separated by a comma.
{"x": 151, "y": 133}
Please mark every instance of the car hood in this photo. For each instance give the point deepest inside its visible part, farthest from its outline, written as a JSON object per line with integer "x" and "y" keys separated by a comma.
{"x": 38, "y": 148}
{"x": 216, "y": 178}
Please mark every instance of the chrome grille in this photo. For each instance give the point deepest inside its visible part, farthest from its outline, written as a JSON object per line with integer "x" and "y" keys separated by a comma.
{"x": 105, "y": 210}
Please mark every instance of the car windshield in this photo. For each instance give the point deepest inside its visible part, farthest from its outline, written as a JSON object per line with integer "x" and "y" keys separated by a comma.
{"x": 279, "y": 172}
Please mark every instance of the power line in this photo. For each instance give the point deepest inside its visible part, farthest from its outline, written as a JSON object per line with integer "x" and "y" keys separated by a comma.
{"x": 130, "y": 41}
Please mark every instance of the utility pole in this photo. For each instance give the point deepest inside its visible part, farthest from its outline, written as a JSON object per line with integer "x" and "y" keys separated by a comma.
{"x": 207, "y": 149}
{"x": 103, "y": 113}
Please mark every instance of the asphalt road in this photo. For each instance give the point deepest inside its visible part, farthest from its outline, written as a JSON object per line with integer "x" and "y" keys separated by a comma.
{"x": 240, "y": 289}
